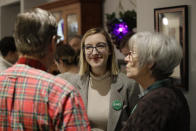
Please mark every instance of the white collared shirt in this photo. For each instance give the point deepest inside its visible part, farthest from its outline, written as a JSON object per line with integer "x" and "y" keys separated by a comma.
{"x": 4, "y": 64}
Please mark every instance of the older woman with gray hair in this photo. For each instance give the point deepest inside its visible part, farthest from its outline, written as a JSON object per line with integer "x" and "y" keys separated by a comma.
{"x": 162, "y": 106}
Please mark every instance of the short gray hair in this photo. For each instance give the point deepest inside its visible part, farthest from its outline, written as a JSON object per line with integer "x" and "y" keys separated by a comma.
{"x": 158, "y": 49}
{"x": 33, "y": 32}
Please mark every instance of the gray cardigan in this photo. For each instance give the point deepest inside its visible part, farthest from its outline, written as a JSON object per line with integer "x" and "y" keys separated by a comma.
{"x": 123, "y": 89}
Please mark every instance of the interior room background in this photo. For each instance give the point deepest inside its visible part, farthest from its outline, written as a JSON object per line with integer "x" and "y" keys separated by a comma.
{"x": 145, "y": 22}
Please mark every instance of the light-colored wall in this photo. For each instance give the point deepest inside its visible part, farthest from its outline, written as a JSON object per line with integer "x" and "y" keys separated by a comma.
{"x": 28, "y": 4}
{"x": 9, "y": 10}
{"x": 145, "y": 22}
{"x": 0, "y": 22}
{"x": 7, "y": 2}
{"x": 8, "y": 16}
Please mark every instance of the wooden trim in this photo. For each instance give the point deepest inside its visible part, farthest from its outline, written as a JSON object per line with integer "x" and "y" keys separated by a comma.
{"x": 56, "y": 4}
{"x": 60, "y": 3}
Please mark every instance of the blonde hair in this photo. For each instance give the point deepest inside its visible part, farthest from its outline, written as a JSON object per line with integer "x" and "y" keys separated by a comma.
{"x": 111, "y": 64}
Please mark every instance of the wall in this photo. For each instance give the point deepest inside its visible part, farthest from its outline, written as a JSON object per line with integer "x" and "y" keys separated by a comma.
{"x": 28, "y": 4}
{"x": 145, "y": 22}
{"x": 9, "y": 10}
{"x": 0, "y": 23}
{"x": 6, "y": 2}
{"x": 8, "y": 16}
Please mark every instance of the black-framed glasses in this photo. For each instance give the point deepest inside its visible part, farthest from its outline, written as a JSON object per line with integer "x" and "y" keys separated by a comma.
{"x": 100, "y": 47}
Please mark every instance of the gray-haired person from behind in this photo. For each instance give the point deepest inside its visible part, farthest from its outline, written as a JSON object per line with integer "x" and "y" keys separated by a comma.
{"x": 31, "y": 98}
{"x": 162, "y": 106}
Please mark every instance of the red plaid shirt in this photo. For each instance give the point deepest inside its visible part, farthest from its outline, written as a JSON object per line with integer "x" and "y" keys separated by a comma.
{"x": 31, "y": 99}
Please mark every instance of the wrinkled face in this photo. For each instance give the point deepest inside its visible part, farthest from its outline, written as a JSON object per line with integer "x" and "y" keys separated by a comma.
{"x": 133, "y": 70}
{"x": 96, "y": 51}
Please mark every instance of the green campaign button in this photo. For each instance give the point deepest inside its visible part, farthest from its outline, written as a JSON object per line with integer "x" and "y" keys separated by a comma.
{"x": 117, "y": 105}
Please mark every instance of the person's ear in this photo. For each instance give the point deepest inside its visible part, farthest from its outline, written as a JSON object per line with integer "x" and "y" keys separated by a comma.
{"x": 52, "y": 47}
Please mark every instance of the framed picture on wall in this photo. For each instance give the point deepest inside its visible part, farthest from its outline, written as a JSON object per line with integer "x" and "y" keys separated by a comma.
{"x": 173, "y": 21}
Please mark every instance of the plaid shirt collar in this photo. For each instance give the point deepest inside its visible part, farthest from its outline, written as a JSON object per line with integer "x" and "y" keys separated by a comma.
{"x": 31, "y": 62}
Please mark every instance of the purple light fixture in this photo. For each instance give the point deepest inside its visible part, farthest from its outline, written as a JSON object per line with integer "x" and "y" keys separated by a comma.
{"x": 120, "y": 29}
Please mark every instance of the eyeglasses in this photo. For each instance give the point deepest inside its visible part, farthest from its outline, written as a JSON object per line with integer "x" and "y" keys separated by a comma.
{"x": 100, "y": 47}
{"x": 130, "y": 55}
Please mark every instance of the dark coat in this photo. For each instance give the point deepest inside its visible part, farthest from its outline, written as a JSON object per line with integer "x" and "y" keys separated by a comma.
{"x": 161, "y": 109}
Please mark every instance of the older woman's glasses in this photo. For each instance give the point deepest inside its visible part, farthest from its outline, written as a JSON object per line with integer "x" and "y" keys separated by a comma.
{"x": 130, "y": 55}
{"x": 100, "y": 47}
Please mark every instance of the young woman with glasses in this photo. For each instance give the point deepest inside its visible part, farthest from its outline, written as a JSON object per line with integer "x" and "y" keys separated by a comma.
{"x": 108, "y": 95}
